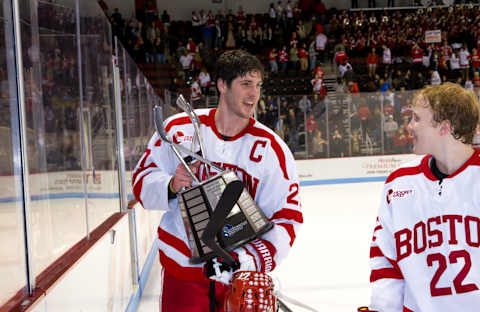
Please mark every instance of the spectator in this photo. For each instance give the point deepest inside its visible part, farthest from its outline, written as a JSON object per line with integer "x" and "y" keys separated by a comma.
{"x": 159, "y": 51}
{"x": 319, "y": 86}
{"x": 386, "y": 58}
{"x": 283, "y": 59}
{"x": 475, "y": 58}
{"x": 186, "y": 60}
{"x": 231, "y": 42}
{"x": 318, "y": 144}
{"x": 400, "y": 140}
{"x": 195, "y": 93}
{"x": 305, "y": 104}
{"x": 346, "y": 70}
{"x": 205, "y": 80}
{"x": 272, "y": 59}
{"x": 435, "y": 78}
{"x": 320, "y": 44}
{"x": 464, "y": 57}
{"x": 303, "y": 55}
{"x": 294, "y": 59}
{"x": 312, "y": 56}
{"x": 372, "y": 62}
{"x": 390, "y": 128}
{"x": 337, "y": 149}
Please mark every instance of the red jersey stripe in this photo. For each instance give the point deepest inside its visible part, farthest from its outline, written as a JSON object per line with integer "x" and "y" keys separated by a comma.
{"x": 183, "y": 273}
{"x": 174, "y": 242}
{"x": 384, "y": 273}
{"x": 140, "y": 170}
{"x": 407, "y": 171}
{"x": 378, "y": 227}
{"x": 288, "y": 214}
{"x": 290, "y": 231}
{"x": 405, "y": 309}
{"x": 186, "y": 120}
{"x": 275, "y": 145}
{"x": 375, "y": 252}
{"x": 137, "y": 189}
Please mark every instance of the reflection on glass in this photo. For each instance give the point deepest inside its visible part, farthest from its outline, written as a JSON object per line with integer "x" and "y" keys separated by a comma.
{"x": 12, "y": 253}
{"x": 343, "y": 125}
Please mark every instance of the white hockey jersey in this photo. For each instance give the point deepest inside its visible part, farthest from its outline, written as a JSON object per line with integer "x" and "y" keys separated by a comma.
{"x": 260, "y": 159}
{"x": 425, "y": 253}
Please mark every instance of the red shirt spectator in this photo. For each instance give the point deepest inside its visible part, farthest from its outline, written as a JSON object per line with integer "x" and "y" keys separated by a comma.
{"x": 417, "y": 54}
{"x": 302, "y": 53}
{"x": 318, "y": 72}
{"x": 475, "y": 57}
{"x": 372, "y": 58}
{"x": 364, "y": 112}
{"x": 283, "y": 56}
{"x": 340, "y": 56}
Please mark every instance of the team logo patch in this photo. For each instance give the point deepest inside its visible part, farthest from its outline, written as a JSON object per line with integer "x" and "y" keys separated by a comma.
{"x": 398, "y": 194}
{"x": 180, "y": 137}
{"x": 229, "y": 230}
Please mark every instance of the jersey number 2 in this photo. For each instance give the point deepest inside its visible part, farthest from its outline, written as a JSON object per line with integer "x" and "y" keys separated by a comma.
{"x": 458, "y": 280}
{"x": 290, "y": 198}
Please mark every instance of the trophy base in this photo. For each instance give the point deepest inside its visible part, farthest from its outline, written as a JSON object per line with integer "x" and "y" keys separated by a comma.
{"x": 245, "y": 223}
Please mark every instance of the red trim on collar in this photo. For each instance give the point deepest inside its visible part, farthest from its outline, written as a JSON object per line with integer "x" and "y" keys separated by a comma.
{"x": 474, "y": 160}
{"x": 211, "y": 123}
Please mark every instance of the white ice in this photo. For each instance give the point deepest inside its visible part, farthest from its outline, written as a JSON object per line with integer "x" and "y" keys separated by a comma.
{"x": 328, "y": 266}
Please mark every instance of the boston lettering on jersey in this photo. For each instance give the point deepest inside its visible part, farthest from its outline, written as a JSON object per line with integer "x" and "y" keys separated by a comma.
{"x": 249, "y": 181}
{"x": 426, "y": 235}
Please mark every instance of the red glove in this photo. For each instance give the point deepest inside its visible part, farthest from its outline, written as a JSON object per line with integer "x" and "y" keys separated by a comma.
{"x": 250, "y": 292}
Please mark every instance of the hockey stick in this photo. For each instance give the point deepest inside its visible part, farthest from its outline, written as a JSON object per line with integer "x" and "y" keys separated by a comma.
{"x": 283, "y": 306}
{"x": 225, "y": 204}
{"x": 282, "y": 298}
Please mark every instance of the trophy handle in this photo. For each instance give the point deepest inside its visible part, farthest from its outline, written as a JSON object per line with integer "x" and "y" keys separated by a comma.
{"x": 187, "y": 108}
{"x": 177, "y": 148}
{"x": 157, "y": 113}
{"x": 225, "y": 204}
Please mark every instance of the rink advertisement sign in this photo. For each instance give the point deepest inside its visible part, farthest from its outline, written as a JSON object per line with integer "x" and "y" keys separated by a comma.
{"x": 65, "y": 184}
{"x": 354, "y": 169}
{"x": 433, "y": 36}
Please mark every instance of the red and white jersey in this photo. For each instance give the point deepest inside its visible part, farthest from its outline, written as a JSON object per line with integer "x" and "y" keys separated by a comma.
{"x": 196, "y": 92}
{"x": 464, "y": 57}
{"x": 320, "y": 42}
{"x": 283, "y": 56}
{"x": 425, "y": 253}
{"x": 260, "y": 159}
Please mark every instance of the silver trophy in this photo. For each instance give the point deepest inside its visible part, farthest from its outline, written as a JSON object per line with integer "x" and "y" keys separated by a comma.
{"x": 219, "y": 214}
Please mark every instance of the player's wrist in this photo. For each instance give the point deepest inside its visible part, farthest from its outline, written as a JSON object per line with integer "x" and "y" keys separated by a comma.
{"x": 170, "y": 186}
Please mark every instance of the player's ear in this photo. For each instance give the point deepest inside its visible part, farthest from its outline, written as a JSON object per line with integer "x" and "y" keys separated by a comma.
{"x": 221, "y": 85}
{"x": 445, "y": 127}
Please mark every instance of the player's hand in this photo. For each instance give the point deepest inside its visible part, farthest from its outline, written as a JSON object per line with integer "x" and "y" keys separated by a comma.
{"x": 220, "y": 271}
{"x": 182, "y": 178}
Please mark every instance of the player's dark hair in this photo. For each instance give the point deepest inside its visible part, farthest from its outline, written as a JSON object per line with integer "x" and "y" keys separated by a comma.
{"x": 237, "y": 63}
{"x": 450, "y": 101}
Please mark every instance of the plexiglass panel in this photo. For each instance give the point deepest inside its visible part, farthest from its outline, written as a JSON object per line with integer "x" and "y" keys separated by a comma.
{"x": 98, "y": 114}
{"x": 52, "y": 91}
{"x": 12, "y": 251}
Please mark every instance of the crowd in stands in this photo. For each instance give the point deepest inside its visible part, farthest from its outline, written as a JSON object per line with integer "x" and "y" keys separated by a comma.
{"x": 378, "y": 57}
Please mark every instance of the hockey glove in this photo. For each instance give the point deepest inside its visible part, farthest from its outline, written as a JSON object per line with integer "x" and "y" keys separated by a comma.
{"x": 218, "y": 270}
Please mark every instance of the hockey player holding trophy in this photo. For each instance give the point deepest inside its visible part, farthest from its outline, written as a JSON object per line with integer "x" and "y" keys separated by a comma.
{"x": 230, "y": 189}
